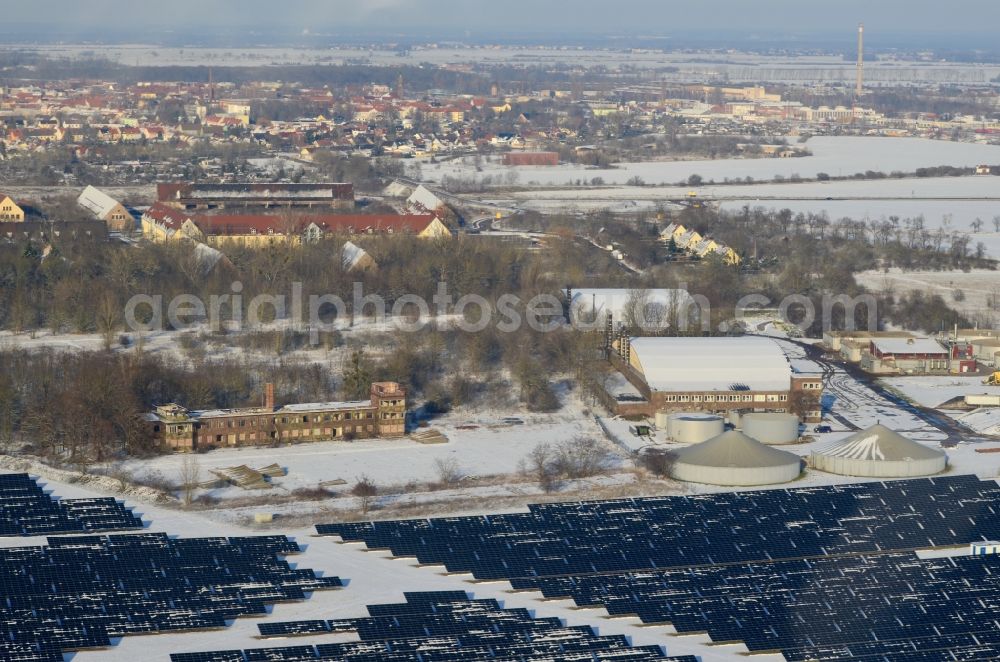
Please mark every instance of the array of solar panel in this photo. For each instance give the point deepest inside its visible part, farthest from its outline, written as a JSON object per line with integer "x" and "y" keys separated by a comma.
{"x": 78, "y": 592}
{"x": 665, "y": 532}
{"x": 890, "y": 607}
{"x": 443, "y": 626}
{"x": 823, "y": 573}
{"x": 26, "y": 510}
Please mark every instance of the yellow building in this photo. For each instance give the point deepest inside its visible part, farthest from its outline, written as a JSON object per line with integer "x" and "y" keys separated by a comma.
{"x": 258, "y": 230}
{"x": 161, "y": 223}
{"x": 10, "y": 211}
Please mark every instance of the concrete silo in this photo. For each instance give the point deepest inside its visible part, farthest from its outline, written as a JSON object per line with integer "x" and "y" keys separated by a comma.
{"x": 771, "y": 429}
{"x": 694, "y": 428}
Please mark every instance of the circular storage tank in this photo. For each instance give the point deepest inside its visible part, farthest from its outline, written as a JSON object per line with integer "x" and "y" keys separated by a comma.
{"x": 694, "y": 428}
{"x": 879, "y": 452}
{"x": 735, "y": 459}
{"x": 771, "y": 429}
{"x": 662, "y": 420}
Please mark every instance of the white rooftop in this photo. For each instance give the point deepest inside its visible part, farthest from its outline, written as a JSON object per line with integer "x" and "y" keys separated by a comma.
{"x": 423, "y": 198}
{"x": 908, "y": 346}
{"x": 712, "y": 364}
{"x": 96, "y": 202}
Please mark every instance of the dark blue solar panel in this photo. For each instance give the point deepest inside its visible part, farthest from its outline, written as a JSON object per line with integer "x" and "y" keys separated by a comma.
{"x": 26, "y": 510}
{"x": 820, "y": 573}
{"x": 80, "y": 592}
{"x": 449, "y": 627}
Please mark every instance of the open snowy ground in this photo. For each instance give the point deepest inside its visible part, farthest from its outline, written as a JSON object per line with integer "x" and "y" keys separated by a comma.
{"x": 978, "y": 288}
{"x": 479, "y": 444}
{"x": 933, "y": 391}
{"x": 835, "y": 155}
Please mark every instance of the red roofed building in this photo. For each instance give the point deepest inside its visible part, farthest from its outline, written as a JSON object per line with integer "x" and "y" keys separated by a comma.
{"x": 163, "y": 223}
{"x": 267, "y": 229}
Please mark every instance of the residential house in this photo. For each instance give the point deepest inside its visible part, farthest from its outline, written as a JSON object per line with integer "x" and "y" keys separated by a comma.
{"x": 107, "y": 209}
{"x": 10, "y": 211}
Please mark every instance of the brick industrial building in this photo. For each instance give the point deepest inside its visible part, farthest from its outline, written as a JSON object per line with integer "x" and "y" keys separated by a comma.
{"x": 222, "y": 196}
{"x": 383, "y": 415}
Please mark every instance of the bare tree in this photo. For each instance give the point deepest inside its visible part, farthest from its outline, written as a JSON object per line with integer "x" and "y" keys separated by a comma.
{"x": 581, "y": 457}
{"x": 449, "y": 472}
{"x": 190, "y": 476}
{"x": 538, "y": 463}
{"x": 108, "y": 318}
{"x": 658, "y": 462}
{"x": 366, "y": 490}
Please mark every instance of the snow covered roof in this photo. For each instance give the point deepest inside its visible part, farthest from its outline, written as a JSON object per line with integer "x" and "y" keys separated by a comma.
{"x": 423, "y": 199}
{"x": 301, "y": 408}
{"x": 908, "y": 346}
{"x": 735, "y": 449}
{"x": 325, "y": 406}
{"x": 96, "y": 202}
{"x": 207, "y": 257}
{"x": 398, "y": 189}
{"x": 618, "y": 300}
{"x": 352, "y": 255}
{"x": 712, "y": 364}
{"x": 880, "y": 444}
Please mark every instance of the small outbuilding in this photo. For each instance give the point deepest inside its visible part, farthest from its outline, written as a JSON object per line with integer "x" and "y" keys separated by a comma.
{"x": 879, "y": 452}
{"x": 734, "y": 459}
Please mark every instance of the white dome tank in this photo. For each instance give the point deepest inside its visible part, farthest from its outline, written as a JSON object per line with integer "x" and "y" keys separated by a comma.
{"x": 771, "y": 429}
{"x": 694, "y": 427}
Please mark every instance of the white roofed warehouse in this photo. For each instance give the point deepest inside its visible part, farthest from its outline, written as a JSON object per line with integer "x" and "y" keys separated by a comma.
{"x": 720, "y": 375}
{"x": 107, "y": 209}
{"x": 879, "y": 452}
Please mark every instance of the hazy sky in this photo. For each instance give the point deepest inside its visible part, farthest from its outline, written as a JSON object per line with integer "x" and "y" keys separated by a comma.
{"x": 562, "y": 17}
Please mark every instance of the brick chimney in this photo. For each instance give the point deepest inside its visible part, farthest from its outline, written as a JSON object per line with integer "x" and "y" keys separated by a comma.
{"x": 269, "y": 396}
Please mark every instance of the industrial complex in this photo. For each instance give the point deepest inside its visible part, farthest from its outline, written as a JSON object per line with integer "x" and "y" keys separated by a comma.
{"x": 729, "y": 376}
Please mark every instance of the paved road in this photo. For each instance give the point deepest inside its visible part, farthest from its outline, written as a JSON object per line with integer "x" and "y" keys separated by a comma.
{"x": 953, "y": 430}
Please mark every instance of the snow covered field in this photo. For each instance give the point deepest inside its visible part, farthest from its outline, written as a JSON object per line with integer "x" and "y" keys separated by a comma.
{"x": 934, "y": 391}
{"x": 834, "y": 155}
{"x": 978, "y": 287}
{"x": 732, "y": 65}
{"x": 491, "y": 448}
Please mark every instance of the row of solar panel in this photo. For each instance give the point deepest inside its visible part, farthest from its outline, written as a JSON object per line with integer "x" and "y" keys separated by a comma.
{"x": 80, "y": 592}
{"x": 26, "y": 510}
{"x": 893, "y": 603}
{"x": 819, "y": 573}
{"x": 444, "y": 627}
{"x": 637, "y": 534}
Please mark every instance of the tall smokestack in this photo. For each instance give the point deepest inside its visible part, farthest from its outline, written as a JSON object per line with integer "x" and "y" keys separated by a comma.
{"x": 859, "y": 82}
{"x": 269, "y": 396}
